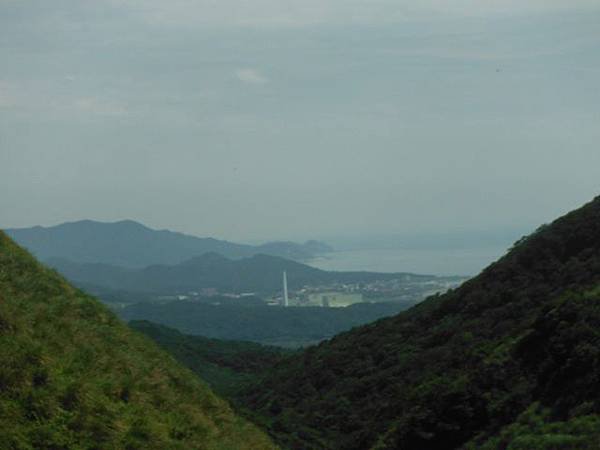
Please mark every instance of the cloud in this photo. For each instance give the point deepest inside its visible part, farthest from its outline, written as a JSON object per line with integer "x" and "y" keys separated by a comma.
{"x": 7, "y": 98}
{"x": 68, "y": 15}
{"x": 37, "y": 98}
{"x": 298, "y": 13}
{"x": 95, "y": 105}
{"x": 250, "y": 76}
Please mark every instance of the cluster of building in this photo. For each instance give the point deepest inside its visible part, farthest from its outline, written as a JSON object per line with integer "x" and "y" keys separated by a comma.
{"x": 405, "y": 288}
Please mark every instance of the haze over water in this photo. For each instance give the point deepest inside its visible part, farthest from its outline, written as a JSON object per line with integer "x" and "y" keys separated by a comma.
{"x": 468, "y": 261}
{"x": 272, "y": 119}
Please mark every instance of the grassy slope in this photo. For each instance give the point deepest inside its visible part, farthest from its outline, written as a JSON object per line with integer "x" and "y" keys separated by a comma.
{"x": 73, "y": 376}
{"x": 511, "y": 360}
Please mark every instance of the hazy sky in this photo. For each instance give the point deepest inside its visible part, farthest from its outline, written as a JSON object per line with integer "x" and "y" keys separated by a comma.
{"x": 255, "y": 119}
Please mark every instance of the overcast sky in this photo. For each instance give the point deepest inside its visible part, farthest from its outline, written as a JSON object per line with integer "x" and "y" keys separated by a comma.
{"x": 279, "y": 119}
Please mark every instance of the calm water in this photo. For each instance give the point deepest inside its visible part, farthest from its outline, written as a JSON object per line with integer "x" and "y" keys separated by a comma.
{"x": 435, "y": 262}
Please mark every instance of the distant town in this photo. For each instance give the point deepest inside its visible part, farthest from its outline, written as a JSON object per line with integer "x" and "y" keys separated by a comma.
{"x": 405, "y": 289}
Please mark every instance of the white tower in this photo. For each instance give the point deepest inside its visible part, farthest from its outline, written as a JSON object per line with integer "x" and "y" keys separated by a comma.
{"x": 286, "y": 301}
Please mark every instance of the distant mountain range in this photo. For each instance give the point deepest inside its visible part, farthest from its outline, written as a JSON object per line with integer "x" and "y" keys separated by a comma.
{"x": 259, "y": 274}
{"x": 133, "y": 245}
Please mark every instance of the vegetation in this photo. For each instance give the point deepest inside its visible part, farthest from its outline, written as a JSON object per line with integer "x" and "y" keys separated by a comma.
{"x": 74, "y": 377}
{"x": 535, "y": 430}
{"x": 227, "y": 366}
{"x": 286, "y": 327}
{"x": 510, "y": 360}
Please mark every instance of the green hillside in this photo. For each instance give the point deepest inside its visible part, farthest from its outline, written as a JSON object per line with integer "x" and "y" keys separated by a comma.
{"x": 225, "y": 365}
{"x": 72, "y": 376}
{"x": 291, "y": 327}
{"x": 510, "y": 360}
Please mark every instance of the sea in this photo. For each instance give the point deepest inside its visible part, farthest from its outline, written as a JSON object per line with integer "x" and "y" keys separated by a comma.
{"x": 442, "y": 262}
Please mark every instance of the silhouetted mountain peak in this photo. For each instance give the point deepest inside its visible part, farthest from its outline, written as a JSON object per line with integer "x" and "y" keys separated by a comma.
{"x": 129, "y": 243}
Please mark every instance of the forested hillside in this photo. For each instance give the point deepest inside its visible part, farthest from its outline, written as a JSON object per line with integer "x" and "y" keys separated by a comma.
{"x": 72, "y": 376}
{"x": 225, "y": 365}
{"x": 287, "y": 327}
{"x": 510, "y": 360}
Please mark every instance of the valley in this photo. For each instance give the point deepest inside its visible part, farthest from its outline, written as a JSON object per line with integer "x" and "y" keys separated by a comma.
{"x": 299, "y": 225}
{"x": 507, "y": 356}
{"x": 222, "y": 298}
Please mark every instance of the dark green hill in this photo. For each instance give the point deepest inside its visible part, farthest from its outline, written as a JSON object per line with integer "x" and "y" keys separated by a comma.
{"x": 288, "y": 327}
{"x": 225, "y": 365}
{"x": 510, "y": 360}
{"x": 131, "y": 244}
{"x": 72, "y": 376}
{"x": 259, "y": 273}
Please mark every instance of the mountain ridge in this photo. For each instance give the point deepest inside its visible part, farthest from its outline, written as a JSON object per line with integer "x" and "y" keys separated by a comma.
{"x": 257, "y": 273}
{"x": 131, "y": 244}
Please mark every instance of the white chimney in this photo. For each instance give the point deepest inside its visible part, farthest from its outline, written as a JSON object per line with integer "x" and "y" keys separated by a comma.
{"x": 286, "y": 301}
